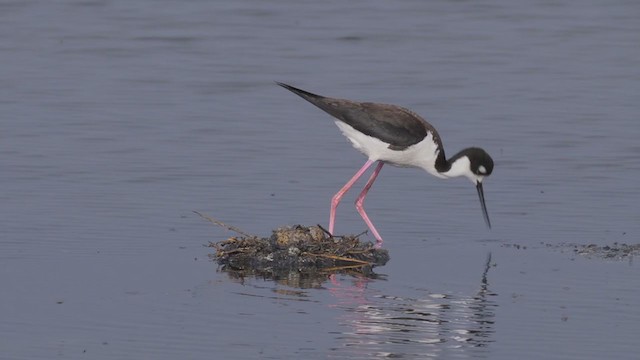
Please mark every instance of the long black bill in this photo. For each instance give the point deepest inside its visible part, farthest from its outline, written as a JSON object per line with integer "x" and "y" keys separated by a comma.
{"x": 484, "y": 206}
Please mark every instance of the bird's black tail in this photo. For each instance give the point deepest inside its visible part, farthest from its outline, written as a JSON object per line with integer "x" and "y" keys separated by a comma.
{"x": 338, "y": 108}
{"x": 310, "y": 97}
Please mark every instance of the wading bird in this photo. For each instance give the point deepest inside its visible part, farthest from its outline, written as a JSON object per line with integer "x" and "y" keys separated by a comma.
{"x": 395, "y": 135}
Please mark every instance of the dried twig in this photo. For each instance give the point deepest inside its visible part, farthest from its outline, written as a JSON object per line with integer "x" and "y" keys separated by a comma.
{"x": 343, "y": 268}
{"x": 340, "y": 236}
{"x": 362, "y": 233}
{"x": 325, "y": 230}
{"x": 233, "y": 251}
{"x": 221, "y": 224}
{"x": 357, "y": 252}
{"x": 341, "y": 258}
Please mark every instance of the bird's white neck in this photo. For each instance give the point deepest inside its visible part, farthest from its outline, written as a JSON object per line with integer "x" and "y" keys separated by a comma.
{"x": 462, "y": 167}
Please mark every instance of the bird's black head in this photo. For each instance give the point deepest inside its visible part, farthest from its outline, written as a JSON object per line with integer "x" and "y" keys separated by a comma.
{"x": 481, "y": 163}
{"x": 475, "y": 164}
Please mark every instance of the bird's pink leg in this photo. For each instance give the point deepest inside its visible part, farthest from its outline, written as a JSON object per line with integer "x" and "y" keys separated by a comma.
{"x": 360, "y": 204}
{"x": 338, "y": 196}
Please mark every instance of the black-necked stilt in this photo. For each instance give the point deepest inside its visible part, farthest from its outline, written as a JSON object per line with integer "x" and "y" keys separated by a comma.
{"x": 395, "y": 135}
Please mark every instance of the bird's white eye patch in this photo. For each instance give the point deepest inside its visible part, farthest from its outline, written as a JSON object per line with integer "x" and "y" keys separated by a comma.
{"x": 482, "y": 169}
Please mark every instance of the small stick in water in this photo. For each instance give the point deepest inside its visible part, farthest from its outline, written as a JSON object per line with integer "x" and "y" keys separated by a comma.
{"x": 221, "y": 224}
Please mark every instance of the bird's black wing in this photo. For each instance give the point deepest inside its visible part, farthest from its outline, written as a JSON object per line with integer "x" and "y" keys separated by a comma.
{"x": 395, "y": 125}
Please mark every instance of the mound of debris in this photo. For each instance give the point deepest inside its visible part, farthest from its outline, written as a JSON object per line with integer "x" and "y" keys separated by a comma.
{"x": 298, "y": 248}
{"x": 615, "y": 251}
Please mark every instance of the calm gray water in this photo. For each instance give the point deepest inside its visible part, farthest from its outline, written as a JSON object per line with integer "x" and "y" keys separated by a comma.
{"x": 118, "y": 118}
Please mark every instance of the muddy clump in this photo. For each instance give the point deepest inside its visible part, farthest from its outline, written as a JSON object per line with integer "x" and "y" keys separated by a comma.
{"x": 298, "y": 248}
{"x": 615, "y": 251}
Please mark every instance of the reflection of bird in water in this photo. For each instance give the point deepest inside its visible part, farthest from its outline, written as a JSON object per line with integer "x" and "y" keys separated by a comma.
{"x": 433, "y": 325}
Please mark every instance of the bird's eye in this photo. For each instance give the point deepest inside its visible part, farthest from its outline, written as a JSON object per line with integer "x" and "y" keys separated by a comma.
{"x": 482, "y": 169}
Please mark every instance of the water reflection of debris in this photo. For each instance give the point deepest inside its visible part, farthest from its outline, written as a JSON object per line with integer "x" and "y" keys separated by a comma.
{"x": 435, "y": 325}
{"x": 310, "y": 279}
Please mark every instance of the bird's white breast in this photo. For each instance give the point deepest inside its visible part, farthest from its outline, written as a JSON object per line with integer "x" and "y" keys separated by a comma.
{"x": 422, "y": 155}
